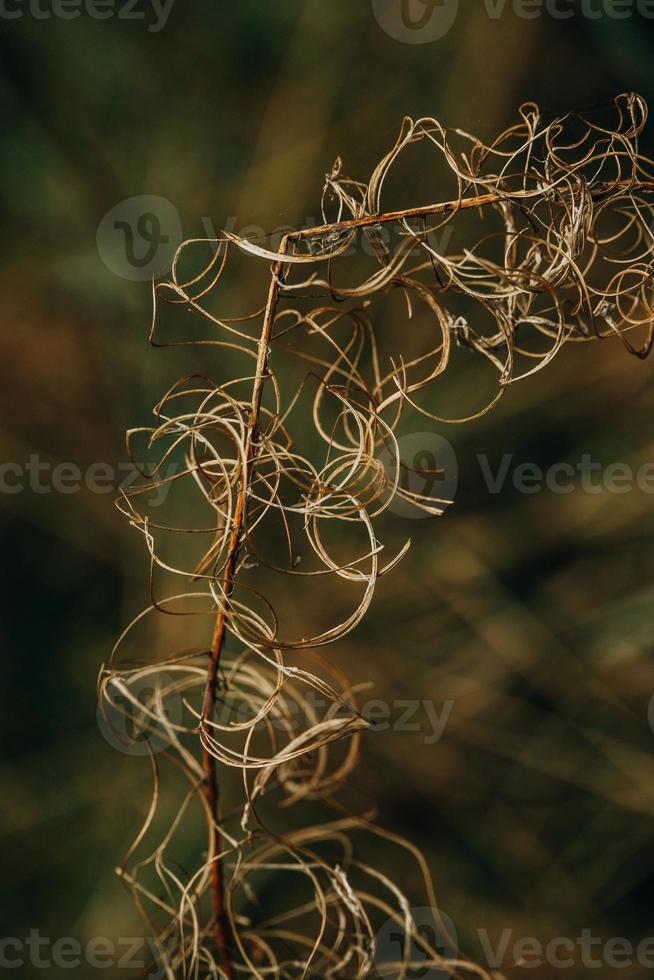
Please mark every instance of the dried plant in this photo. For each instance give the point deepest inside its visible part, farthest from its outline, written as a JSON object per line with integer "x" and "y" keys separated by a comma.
{"x": 557, "y": 248}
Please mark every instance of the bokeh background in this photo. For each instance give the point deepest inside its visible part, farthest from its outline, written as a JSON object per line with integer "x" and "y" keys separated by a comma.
{"x": 531, "y": 613}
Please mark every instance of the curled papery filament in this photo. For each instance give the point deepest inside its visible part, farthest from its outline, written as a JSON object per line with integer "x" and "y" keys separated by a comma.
{"x": 269, "y": 480}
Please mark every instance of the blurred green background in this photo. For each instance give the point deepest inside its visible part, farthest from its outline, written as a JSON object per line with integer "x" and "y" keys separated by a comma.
{"x": 531, "y": 613}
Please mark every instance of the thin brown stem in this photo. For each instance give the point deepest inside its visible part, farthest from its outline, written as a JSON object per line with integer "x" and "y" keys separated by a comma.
{"x": 461, "y": 204}
{"x": 222, "y": 927}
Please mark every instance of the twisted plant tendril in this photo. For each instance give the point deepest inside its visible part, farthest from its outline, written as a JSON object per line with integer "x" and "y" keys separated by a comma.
{"x": 556, "y": 246}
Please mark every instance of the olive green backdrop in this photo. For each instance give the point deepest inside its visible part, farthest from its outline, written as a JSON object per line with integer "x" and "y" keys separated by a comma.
{"x": 532, "y": 613}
